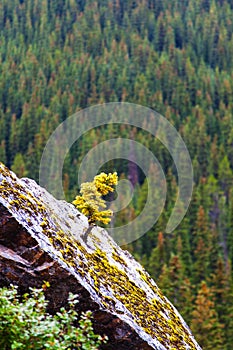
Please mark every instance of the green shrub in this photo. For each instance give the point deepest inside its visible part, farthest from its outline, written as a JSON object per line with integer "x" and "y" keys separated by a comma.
{"x": 25, "y": 324}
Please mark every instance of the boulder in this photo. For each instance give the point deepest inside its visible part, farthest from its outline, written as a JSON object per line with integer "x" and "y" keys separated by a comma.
{"x": 41, "y": 240}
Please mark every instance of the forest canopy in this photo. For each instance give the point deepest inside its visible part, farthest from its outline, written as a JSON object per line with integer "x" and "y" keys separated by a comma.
{"x": 176, "y": 57}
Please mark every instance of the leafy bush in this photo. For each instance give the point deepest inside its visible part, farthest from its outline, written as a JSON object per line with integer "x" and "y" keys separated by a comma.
{"x": 25, "y": 324}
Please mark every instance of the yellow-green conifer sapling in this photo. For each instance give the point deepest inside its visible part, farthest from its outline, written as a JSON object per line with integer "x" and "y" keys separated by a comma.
{"x": 90, "y": 201}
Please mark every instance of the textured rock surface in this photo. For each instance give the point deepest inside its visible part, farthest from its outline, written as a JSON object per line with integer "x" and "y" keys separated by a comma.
{"x": 40, "y": 241}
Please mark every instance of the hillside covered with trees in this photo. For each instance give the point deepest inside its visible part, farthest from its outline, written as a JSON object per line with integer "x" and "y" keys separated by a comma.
{"x": 174, "y": 56}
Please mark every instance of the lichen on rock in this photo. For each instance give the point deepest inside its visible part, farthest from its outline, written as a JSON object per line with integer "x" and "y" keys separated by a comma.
{"x": 40, "y": 239}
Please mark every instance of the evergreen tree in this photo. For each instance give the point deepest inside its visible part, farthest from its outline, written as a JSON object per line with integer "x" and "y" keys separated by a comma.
{"x": 205, "y": 324}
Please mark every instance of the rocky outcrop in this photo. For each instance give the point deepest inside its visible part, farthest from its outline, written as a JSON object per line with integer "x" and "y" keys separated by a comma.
{"x": 40, "y": 240}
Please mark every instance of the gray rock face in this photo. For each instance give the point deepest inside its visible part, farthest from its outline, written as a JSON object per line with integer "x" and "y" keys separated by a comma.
{"x": 40, "y": 241}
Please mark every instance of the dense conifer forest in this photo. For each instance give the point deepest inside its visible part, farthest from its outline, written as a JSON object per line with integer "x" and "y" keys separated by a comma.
{"x": 174, "y": 56}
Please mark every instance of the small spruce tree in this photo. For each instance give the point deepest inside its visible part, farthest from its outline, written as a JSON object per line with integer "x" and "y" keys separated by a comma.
{"x": 91, "y": 203}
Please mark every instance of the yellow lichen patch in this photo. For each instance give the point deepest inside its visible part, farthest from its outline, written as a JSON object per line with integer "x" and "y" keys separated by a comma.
{"x": 148, "y": 314}
{"x": 68, "y": 247}
{"x": 118, "y": 258}
{"x": 17, "y": 196}
{"x": 44, "y": 223}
